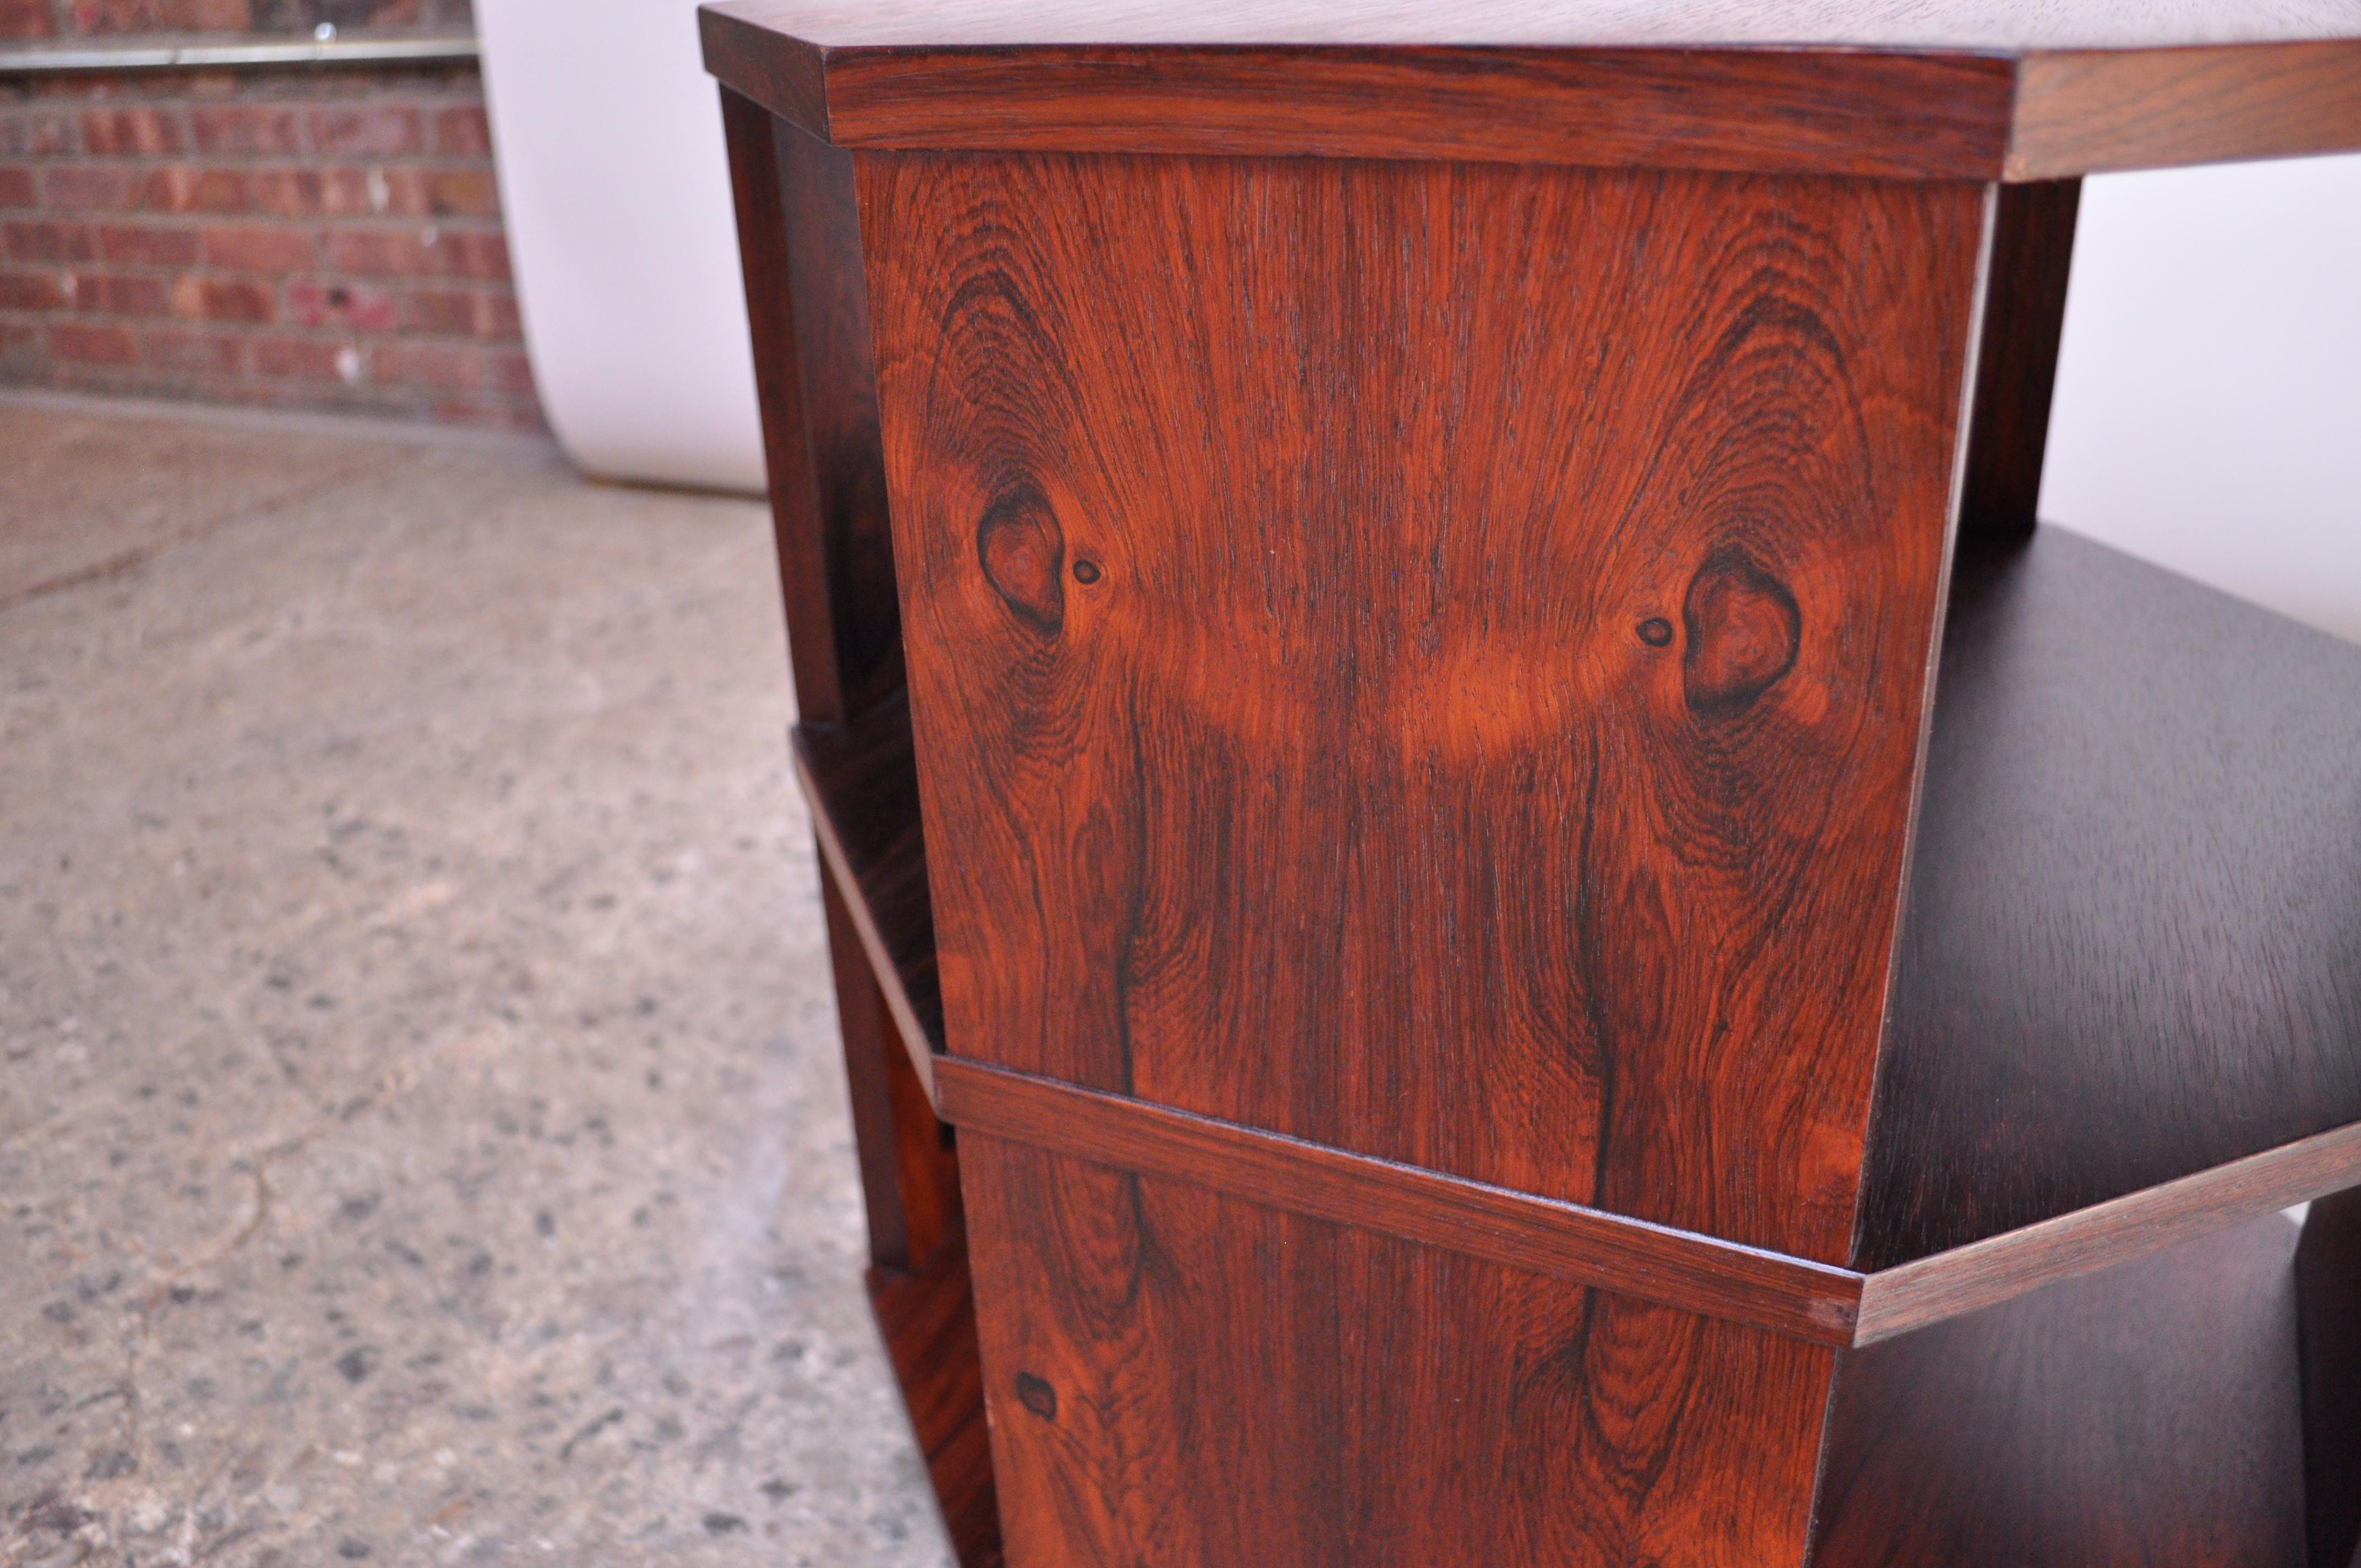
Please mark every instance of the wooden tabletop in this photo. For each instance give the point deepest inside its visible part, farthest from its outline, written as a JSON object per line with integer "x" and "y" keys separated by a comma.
{"x": 2007, "y": 26}
{"x": 1971, "y": 89}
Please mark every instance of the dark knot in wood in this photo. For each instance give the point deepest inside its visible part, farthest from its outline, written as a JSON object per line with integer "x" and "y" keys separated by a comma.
{"x": 1024, "y": 555}
{"x": 1743, "y": 630}
{"x": 1036, "y": 1396}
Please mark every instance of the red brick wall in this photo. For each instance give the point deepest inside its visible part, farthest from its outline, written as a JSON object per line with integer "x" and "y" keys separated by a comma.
{"x": 289, "y": 236}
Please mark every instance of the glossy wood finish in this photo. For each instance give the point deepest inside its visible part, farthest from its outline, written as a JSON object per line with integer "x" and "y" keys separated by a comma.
{"x": 2018, "y": 91}
{"x": 1652, "y": 1263}
{"x": 2132, "y": 949}
{"x": 2149, "y": 1416}
{"x": 1700, "y": 1273}
{"x": 1943, "y": 117}
{"x": 796, "y": 223}
{"x": 799, "y": 236}
{"x": 1586, "y": 1246}
{"x": 1989, "y": 26}
{"x": 860, "y": 1017}
{"x": 862, "y": 783}
{"x": 1422, "y": 704}
{"x": 1430, "y": 773}
{"x": 2017, "y": 359}
{"x": 928, "y": 1318}
{"x": 2090, "y": 112}
{"x": 2328, "y": 1286}
{"x": 1181, "y": 1378}
{"x": 869, "y": 802}
{"x": 1968, "y": 1278}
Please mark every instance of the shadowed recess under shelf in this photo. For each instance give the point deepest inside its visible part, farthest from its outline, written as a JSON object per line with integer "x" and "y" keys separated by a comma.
{"x": 2131, "y": 949}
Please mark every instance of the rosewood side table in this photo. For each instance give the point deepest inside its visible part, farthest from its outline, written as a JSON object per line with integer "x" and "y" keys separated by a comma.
{"x": 1554, "y": 933}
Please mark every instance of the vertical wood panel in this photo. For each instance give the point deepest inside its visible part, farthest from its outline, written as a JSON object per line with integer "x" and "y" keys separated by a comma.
{"x": 2328, "y": 1284}
{"x": 1427, "y": 658}
{"x": 2016, "y": 368}
{"x": 800, "y": 242}
{"x": 1180, "y": 1378}
{"x": 838, "y": 400}
{"x": 926, "y": 1165}
{"x": 877, "y": 1126}
{"x": 799, "y": 234}
{"x": 928, "y": 1318}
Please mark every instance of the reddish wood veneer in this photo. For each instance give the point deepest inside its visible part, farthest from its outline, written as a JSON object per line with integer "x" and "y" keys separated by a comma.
{"x": 2021, "y": 93}
{"x": 1180, "y": 1377}
{"x": 1538, "y": 1236}
{"x": 1421, "y": 554}
{"x": 1352, "y": 753}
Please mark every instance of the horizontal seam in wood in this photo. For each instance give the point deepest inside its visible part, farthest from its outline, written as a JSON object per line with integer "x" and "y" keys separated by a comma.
{"x": 1786, "y": 1295}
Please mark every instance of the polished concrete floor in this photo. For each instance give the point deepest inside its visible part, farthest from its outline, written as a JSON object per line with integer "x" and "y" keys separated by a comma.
{"x": 422, "y": 1138}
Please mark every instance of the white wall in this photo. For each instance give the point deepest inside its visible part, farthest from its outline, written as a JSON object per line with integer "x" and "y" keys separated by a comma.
{"x": 616, "y": 186}
{"x": 2209, "y": 392}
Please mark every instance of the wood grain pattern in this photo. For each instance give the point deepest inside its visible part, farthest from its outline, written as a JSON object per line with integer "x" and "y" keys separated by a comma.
{"x": 1356, "y": 795}
{"x": 799, "y": 240}
{"x": 860, "y": 781}
{"x": 1700, "y": 1274}
{"x": 1648, "y": 1263}
{"x": 1179, "y": 1378}
{"x": 800, "y": 237}
{"x": 1887, "y": 115}
{"x": 867, "y": 809}
{"x": 2148, "y": 1417}
{"x": 2328, "y": 1297}
{"x": 1980, "y": 92}
{"x": 1417, "y": 670}
{"x": 2087, "y": 113}
{"x": 927, "y": 1317}
{"x": 1968, "y": 1279}
{"x": 2132, "y": 948}
{"x": 1985, "y": 26}
{"x": 754, "y": 138}
{"x": 802, "y": 261}
{"x": 2017, "y": 359}
{"x": 864, "y": 1028}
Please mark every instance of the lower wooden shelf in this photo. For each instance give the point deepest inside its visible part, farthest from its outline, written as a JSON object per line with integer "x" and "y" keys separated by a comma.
{"x": 2151, "y": 1415}
{"x": 2131, "y": 946}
